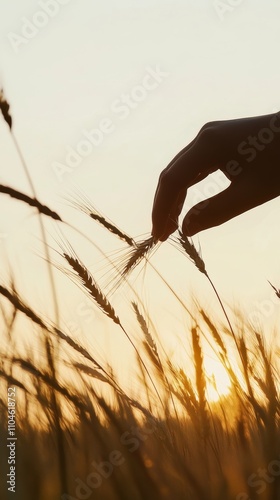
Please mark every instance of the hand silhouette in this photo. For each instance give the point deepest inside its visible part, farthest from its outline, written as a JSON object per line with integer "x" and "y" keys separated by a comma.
{"x": 246, "y": 150}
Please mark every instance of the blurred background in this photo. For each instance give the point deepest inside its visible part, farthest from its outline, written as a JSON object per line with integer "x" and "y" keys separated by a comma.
{"x": 140, "y": 79}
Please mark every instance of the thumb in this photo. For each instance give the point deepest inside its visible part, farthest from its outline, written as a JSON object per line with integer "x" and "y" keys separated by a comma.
{"x": 239, "y": 197}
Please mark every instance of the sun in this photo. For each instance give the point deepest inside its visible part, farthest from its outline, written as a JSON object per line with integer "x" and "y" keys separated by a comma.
{"x": 218, "y": 382}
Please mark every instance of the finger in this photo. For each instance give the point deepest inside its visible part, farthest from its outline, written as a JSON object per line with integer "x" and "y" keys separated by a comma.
{"x": 169, "y": 199}
{"x": 239, "y": 197}
{"x": 198, "y": 160}
{"x": 172, "y": 221}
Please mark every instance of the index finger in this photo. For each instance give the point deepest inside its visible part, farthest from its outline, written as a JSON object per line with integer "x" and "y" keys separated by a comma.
{"x": 169, "y": 199}
{"x": 166, "y": 211}
{"x": 193, "y": 164}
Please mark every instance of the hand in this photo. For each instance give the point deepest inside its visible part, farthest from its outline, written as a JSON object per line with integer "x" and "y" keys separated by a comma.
{"x": 246, "y": 150}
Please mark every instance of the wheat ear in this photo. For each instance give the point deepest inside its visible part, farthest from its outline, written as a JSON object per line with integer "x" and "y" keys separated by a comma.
{"x": 149, "y": 341}
{"x": 81, "y": 202}
{"x": 101, "y": 300}
{"x": 200, "y": 380}
{"x": 32, "y": 202}
{"x": 137, "y": 254}
{"x": 276, "y": 290}
{"x": 196, "y": 258}
{"x": 91, "y": 287}
{"x": 5, "y": 107}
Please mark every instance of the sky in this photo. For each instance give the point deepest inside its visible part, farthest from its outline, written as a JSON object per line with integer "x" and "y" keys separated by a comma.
{"x": 140, "y": 78}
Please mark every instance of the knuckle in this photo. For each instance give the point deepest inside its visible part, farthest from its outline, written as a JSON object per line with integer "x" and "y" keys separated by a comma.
{"x": 169, "y": 179}
{"x": 163, "y": 174}
{"x": 209, "y": 130}
{"x": 210, "y": 126}
{"x": 165, "y": 177}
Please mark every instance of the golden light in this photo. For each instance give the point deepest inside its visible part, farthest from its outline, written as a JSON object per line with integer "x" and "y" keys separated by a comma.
{"x": 218, "y": 381}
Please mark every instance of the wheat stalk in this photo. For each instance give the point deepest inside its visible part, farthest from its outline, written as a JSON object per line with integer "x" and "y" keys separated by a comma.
{"x": 222, "y": 353}
{"x": 91, "y": 287}
{"x": 214, "y": 331}
{"x": 268, "y": 386}
{"x": 139, "y": 250}
{"x": 32, "y": 202}
{"x": 185, "y": 393}
{"x": 276, "y": 290}
{"x": 192, "y": 252}
{"x": 149, "y": 341}
{"x": 200, "y": 380}
{"x": 196, "y": 258}
{"x": 18, "y": 303}
{"x": 14, "y": 298}
{"x": 5, "y": 107}
{"x": 247, "y": 371}
{"x": 241, "y": 346}
{"x": 83, "y": 203}
{"x": 137, "y": 254}
{"x": 49, "y": 380}
{"x": 112, "y": 228}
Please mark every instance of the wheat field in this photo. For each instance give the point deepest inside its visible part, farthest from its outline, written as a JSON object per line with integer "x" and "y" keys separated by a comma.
{"x": 80, "y": 435}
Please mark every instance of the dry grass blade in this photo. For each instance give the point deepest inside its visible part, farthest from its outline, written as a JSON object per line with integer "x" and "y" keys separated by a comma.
{"x": 5, "y": 107}
{"x": 32, "y": 202}
{"x": 91, "y": 287}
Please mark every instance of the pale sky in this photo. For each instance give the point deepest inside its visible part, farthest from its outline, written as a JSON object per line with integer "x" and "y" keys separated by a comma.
{"x": 205, "y": 62}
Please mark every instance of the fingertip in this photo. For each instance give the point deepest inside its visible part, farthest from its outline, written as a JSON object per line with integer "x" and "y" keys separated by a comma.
{"x": 155, "y": 235}
{"x": 171, "y": 226}
{"x": 159, "y": 238}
